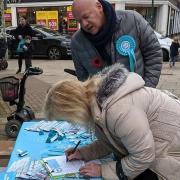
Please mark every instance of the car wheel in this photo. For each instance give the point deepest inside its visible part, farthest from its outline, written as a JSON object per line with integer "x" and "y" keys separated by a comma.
{"x": 165, "y": 55}
{"x": 54, "y": 53}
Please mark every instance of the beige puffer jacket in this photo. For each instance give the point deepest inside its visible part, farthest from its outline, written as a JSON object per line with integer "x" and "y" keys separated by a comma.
{"x": 142, "y": 124}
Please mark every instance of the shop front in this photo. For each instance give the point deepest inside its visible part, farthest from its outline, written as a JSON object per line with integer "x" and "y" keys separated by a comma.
{"x": 147, "y": 13}
{"x": 57, "y": 18}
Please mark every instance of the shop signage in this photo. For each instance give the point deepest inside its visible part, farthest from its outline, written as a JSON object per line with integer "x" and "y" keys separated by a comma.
{"x": 22, "y": 10}
{"x": 7, "y": 17}
{"x": 69, "y": 8}
{"x": 72, "y": 23}
{"x": 30, "y": 1}
{"x": 47, "y": 18}
{"x": 7, "y": 14}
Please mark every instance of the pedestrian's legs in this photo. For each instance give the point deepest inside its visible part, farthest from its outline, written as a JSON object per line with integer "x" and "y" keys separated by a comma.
{"x": 174, "y": 61}
{"x": 28, "y": 61}
{"x": 20, "y": 58}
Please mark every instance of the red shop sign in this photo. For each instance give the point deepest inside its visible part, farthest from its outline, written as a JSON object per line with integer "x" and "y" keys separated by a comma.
{"x": 70, "y": 15}
{"x": 7, "y": 17}
{"x": 52, "y": 24}
{"x": 22, "y": 10}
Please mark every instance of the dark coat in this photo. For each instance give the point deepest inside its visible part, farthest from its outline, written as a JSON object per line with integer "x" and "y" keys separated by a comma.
{"x": 23, "y": 31}
{"x": 148, "y": 52}
{"x": 174, "y": 49}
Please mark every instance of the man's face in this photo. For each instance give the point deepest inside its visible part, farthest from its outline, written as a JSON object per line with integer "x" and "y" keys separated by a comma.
{"x": 90, "y": 18}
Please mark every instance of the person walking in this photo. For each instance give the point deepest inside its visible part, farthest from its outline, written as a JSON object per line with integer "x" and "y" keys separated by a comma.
{"x": 23, "y": 30}
{"x": 174, "y": 51}
{"x": 107, "y": 36}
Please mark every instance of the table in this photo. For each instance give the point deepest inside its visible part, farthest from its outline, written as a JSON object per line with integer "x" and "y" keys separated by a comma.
{"x": 35, "y": 145}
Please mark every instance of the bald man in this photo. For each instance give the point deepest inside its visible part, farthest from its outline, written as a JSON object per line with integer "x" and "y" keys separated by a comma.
{"x": 94, "y": 45}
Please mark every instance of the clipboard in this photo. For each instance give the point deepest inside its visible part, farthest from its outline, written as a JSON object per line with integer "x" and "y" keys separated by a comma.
{"x": 57, "y": 167}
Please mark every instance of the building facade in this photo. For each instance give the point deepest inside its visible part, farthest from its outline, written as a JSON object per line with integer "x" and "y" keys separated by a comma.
{"x": 164, "y": 16}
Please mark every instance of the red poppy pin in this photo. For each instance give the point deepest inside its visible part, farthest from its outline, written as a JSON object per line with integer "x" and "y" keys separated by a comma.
{"x": 97, "y": 62}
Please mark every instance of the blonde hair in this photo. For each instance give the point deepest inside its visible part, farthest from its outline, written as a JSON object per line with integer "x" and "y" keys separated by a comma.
{"x": 70, "y": 100}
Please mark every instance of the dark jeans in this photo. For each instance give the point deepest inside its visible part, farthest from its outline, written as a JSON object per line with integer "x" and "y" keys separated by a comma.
{"x": 173, "y": 60}
{"x": 147, "y": 175}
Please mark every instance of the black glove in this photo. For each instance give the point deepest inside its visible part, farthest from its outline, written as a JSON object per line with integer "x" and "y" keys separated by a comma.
{"x": 119, "y": 171}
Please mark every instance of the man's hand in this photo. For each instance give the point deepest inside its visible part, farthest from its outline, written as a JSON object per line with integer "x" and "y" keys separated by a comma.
{"x": 73, "y": 156}
{"x": 91, "y": 170}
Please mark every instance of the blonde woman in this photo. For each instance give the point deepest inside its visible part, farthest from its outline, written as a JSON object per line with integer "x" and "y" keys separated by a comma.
{"x": 140, "y": 125}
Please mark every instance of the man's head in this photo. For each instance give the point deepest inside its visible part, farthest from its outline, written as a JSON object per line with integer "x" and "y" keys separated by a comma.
{"x": 90, "y": 15}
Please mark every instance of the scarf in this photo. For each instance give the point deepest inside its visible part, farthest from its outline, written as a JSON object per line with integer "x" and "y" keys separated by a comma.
{"x": 104, "y": 36}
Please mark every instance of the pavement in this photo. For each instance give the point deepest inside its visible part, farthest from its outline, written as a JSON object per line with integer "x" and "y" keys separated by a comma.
{"x": 53, "y": 71}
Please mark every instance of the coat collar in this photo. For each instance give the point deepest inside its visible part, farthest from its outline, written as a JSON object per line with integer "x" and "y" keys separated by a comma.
{"x": 116, "y": 82}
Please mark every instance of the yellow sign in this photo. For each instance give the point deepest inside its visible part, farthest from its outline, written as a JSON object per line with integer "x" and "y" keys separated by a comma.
{"x": 8, "y": 11}
{"x": 69, "y": 8}
{"x": 47, "y": 18}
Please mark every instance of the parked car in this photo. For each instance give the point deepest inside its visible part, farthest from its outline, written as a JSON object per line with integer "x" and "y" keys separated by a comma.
{"x": 46, "y": 42}
{"x": 165, "y": 43}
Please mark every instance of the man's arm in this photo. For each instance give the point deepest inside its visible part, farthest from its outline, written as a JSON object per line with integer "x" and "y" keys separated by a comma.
{"x": 81, "y": 72}
{"x": 151, "y": 51}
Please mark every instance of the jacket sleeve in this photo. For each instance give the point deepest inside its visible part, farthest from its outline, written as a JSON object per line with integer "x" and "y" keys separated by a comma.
{"x": 134, "y": 132}
{"x": 96, "y": 150}
{"x": 81, "y": 72}
{"x": 151, "y": 51}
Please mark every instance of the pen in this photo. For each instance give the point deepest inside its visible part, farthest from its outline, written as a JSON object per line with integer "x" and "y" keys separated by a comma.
{"x": 74, "y": 149}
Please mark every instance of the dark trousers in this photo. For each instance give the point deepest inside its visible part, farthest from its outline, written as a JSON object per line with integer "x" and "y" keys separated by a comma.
{"x": 27, "y": 58}
{"x": 147, "y": 175}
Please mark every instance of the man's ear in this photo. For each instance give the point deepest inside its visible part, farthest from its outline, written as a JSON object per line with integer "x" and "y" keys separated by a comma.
{"x": 99, "y": 5}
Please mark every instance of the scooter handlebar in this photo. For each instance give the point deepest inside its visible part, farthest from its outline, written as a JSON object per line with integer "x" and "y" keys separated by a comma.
{"x": 70, "y": 71}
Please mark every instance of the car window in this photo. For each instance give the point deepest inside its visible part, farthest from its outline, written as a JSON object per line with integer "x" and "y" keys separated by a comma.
{"x": 36, "y": 33}
{"x": 48, "y": 31}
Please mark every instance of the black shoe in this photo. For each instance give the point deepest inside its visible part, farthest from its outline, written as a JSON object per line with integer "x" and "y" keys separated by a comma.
{"x": 18, "y": 71}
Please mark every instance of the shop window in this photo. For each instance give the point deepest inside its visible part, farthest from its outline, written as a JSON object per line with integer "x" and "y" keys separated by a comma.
{"x": 146, "y": 12}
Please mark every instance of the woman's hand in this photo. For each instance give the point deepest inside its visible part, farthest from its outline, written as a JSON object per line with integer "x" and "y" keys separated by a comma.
{"x": 91, "y": 170}
{"x": 73, "y": 156}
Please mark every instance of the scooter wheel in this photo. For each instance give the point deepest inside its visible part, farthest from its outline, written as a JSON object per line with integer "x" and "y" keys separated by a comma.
{"x": 4, "y": 65}
{"x": 12, "y": 128}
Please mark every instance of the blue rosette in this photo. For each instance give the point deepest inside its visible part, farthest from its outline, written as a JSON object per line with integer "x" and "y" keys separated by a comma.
{"x": 125, "y": 45}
